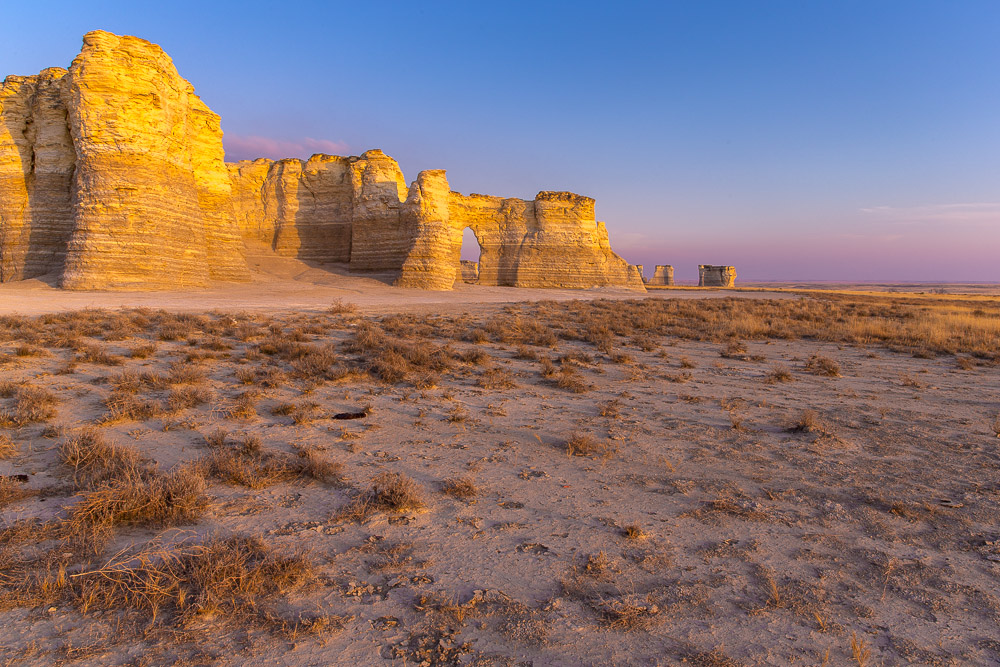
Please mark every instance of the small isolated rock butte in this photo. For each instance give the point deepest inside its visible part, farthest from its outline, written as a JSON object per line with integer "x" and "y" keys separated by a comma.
{"x": 663, "y": 275}
{"x": 113, "y": 176}
{"x": 716, "y": 276}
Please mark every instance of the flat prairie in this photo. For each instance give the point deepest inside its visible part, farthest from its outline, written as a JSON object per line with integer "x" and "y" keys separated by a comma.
{"x": 486, "y": 478}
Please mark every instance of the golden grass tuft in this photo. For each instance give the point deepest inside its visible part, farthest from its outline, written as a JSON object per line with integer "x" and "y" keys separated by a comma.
{"x": 388, "y": 492}
{"x": 31, "y": 405}
{"x": 584, "y": 444}
{"x": 463, "y": 488}
{"x": 820, "y": 365}
{"x": 227, "y": 578}
{"x": 8, "y": 448}
{"x": 137, "y": 498}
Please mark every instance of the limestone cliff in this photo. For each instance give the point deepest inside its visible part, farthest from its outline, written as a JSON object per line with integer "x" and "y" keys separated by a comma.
{"x": 112, "y": 175}
{"x": 122, "y": 177}
{"x": 37, "y": 162}
{"x": 716, "y": 276}
{"x": 663, "y": 275}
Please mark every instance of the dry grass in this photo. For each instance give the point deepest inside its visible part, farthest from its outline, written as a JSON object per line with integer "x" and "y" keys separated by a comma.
{"x": 584, "y": 444}
{"x": 807, "y": 422}
{"x": 570, "y": 379}
{"x": 388, "y": 492}
{"x": 140, "y": 498}
{"x": 121, "y": 488}
{"x": 12, "y": 490}
{"x": 463, "y": 488}
{"x": 778, "y": 374}
{"x": 124, "y": 405}
{"x": 228, "y": 579}
{"x": 8, "y": 448}
{"x": 496, "y": 378}
{"x": 634, "y": 531}
{"x": 245, "y": 462}
{"x": 820, "y": 365}
{"x": 94, "y": 460}
{"x": 31, "y": 405}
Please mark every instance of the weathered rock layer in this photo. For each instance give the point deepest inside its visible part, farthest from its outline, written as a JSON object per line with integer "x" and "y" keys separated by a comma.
{"x": 716, "y": 276}
{"x": 112, "y": 175}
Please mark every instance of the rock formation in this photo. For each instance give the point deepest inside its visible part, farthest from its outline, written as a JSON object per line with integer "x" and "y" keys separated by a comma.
{"x": 112, "y": 175}
{"x": 716, "y": 276}
{"x": 470, "y": 271}
{"x": 663, "y": 275}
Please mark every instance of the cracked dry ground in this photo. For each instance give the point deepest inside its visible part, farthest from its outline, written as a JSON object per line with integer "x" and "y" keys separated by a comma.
{"x": 648, "y": 483}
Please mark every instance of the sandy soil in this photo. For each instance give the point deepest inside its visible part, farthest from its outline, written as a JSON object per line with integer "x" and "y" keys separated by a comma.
{"x": 707, "y": 531}
{"x": 289, "y": 285}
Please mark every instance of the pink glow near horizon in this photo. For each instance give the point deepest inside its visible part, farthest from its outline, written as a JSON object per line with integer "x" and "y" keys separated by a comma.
{"x": 249, "y": 147}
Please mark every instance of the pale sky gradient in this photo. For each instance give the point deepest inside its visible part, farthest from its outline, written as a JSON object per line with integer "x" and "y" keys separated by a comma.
{"x": 836, "y": 140}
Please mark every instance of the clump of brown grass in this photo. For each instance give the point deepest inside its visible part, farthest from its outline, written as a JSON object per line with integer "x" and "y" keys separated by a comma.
{"x": 995, "y": 425}
{"x": 778, "y": 374}
{"x": 611, "y": 409}
{"x": 341, "y": 307}
{"x": 95, "y": 460}
{"x": 463, "y": 488}
{"x": 808, "y": 422}
{"x": 496, "y": 378}
{"x": 860, "y": 651}
{"x": 96, "y": 354}
{"x": 627, "y": 612}
{"x": 525, "y": 352}
{"x": 142, "y": 350}
{"x": 585, "y": 444}
{"x": 12, "y": 490}
{"x": 8, "y": 448}
{"x": 29, "y": 350}
{"x": 458, "y": 414}
{"x": 245, "y": 462}
{"x": 182, "y": 398}
{"x": 31, "y": 405}
{"x": 137, "y": 498}
{"x": 123, "y": 405}
{"x": 315, "y": 464}
{"x": 123, "y": 488}
{"x": 230, "y": 578}
{"x": 570, "y": 379}
{"x": 634, "y": 531}
{"x": 388, "y": 492}
{"x": 619, "y": 608}
{"x": 820, "y": 365}
{"x": 244, "y": 407}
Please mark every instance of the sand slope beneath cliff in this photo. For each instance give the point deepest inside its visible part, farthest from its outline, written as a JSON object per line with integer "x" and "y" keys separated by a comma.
{"x": 284, "y": 284}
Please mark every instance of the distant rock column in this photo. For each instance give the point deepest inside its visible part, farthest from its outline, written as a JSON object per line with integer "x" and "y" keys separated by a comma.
{"x": 663, "y": 275}
{"x": 716, "y": 276}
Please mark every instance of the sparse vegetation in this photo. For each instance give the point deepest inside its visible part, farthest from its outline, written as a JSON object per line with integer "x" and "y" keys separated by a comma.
{"x": 388, "y": 492}
{"x": 820, "y": 365}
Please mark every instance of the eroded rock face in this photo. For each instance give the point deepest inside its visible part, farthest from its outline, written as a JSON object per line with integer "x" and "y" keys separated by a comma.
{"x": 122, "y": 178}
{"x": 663, "y": 275}
{"x": 716, "y": 276}
{"x": 37, "y": 162}
{"x": 112, "y": 175}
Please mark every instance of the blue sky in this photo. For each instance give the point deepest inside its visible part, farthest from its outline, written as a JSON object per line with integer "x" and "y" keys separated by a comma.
{"x": 798, "y": 139}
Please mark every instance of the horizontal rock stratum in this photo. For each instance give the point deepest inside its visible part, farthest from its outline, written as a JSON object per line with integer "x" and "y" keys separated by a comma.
{"x": 113, "y": 176}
